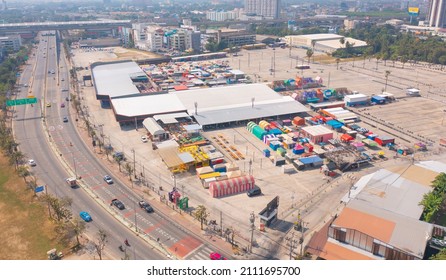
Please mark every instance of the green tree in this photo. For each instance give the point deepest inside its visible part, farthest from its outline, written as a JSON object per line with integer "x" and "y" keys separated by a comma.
{"x": 386, "y": 74}
{"x": 201, "y": 214}
{"x": 309, "y": 54}
{"x": 101, "y": 241}
{"x": 23, "y": 172}
{"x": 439, "y": 256}
{"x": 59, "y": 207}
{"x": 119, "y": 161}
{"x": 78, "y": 227}
{"x": 129, "y": 169}
{"x": 432, "y": 204}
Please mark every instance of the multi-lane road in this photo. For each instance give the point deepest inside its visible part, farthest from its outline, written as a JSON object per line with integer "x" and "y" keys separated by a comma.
{"x": 60, "y": 153}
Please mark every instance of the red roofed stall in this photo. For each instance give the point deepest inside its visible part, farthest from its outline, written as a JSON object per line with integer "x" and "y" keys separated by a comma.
{"x": 231, "y": 186}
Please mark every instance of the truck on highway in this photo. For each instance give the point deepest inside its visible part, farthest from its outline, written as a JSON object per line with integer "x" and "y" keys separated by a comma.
{"x": 72, "y": 182}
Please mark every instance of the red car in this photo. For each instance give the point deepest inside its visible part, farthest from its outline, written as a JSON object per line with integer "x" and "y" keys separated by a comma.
{"x": 216, "y": 256}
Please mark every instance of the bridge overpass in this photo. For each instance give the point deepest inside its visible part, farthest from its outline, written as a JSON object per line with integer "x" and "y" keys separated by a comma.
{"x": 66, "y": 25}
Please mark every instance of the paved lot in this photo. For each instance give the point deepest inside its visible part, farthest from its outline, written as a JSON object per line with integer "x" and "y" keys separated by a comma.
{"x": 307, "y": 191}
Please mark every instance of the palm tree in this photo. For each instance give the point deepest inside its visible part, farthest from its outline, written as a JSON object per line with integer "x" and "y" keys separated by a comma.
{"x": 78, "y": 226}
{"x": 118, "y": 160}
{"x": 387, "y": 77}
{"x": 16, "y": 157}
{"x": 439, "y": 183}
{"x": 129, "y": 169}
{"x": 201, "y": 214}
{"x": 309, "y": 54}
{"x": 432, "y": 204}
{"x": 23, "y": 172}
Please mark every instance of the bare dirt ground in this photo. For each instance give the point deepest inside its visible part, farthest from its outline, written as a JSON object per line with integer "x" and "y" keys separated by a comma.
{"x": 133, "y": 54}
{"x": 25, "y": 228}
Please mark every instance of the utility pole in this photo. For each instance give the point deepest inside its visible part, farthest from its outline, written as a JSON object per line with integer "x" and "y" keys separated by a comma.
{"x": 252, "y": 220}
{"x": 292, "y": 243}
{"x": 249, "y": 60}
{"x": 134, "y": 163}
{"x": 136, "y": 223}
{"x": 221, "y": 223}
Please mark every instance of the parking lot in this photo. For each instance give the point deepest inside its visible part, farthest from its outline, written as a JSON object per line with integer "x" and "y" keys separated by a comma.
{"x": 307, "y": 191}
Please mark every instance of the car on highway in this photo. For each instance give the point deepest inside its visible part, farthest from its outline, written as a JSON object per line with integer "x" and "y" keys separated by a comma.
{"x": 65, "y": 119}
{"x": 108, "y": 179}
{"x": 85, "y": 216}
{"x": 32, "y": 162}
{"x": 62, "y": 105}
{"x": 144, "y": 139}
{"x": 118, "y": 204}
{"x": 48, "y": 104}
{"x": 146, "y": 206}
{"x": 216, "y": 256}
{"x": 254, "y": 192}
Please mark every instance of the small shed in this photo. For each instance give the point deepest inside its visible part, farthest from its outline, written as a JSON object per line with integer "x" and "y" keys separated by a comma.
{"x": 383, "y": 140}
{"x": 317, "y": 133}
{"x": 378, "y": 99}
{"x": 346, "y": 138}
{"x": 155, "y": 130}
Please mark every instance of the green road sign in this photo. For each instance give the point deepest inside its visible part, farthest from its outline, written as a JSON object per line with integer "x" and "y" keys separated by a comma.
{"x": 24, "y": 101}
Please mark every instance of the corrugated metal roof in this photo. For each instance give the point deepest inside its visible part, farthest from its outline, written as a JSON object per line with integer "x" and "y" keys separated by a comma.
{"x": 408, "y": 234}
{"x": 113, "y": 79}
{"x": 317, "y": 130}
{"x": 153, "y": 127}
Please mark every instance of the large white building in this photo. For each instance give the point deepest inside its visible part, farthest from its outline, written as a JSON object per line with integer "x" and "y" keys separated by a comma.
{"x": 221, "y": 15}
{"x": 265, "y": 8}
{"x": 322, "y": 42}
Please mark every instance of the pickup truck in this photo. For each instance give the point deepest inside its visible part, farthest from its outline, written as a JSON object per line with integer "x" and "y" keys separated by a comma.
{"x": 71, "y": 182}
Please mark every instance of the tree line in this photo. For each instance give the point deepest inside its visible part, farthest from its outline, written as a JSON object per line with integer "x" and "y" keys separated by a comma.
{"x": 388, "y": 43}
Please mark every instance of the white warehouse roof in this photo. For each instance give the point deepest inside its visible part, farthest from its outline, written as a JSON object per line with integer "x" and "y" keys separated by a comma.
{"x": 214, "y": 105}
{"x": 114, "y": 79}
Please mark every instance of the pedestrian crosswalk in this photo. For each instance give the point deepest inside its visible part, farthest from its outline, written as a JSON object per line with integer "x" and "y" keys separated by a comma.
{"x": 201, "y": 253}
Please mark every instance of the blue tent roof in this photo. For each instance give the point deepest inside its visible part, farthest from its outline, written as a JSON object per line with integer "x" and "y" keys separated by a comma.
{"x": 309, "y": 160}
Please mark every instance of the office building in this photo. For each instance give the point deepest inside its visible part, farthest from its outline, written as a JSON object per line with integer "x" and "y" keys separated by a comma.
{"x": 221, "y": 16}
{"x": 232, "y": 37}
{"x": 437, "y": 13}
{"x": 265, "y": 8}
{"x": 13, "y": 42}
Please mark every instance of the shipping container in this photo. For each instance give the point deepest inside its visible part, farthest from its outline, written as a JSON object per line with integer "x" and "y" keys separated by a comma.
{"x": 279, "y": 161}
{"x": 288, "y": 169}
{"x": 221, "y": 167}
{"x": 298, "y": 165}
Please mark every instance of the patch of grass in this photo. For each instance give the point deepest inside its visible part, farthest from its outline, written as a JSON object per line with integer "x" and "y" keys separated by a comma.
{"x": 26, "y": 231}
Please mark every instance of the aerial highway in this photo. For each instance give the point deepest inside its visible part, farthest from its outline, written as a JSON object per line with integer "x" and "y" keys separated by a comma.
{"x": 48, "y": 134}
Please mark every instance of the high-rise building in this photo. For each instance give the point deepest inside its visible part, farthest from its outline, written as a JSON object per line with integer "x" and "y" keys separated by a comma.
{"x": 265, "y": 8}
{"x": 437, "y": 13}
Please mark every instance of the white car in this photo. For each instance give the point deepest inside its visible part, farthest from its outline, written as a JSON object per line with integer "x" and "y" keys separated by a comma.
{"x": 144, "y": 139}
{"x": 32, "y": 162}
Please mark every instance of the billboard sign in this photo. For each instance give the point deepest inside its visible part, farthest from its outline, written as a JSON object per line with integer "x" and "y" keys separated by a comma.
{"x": 413, "y": 11}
